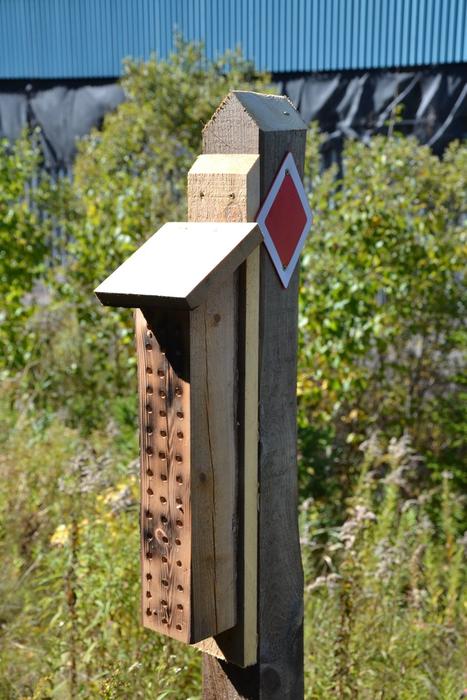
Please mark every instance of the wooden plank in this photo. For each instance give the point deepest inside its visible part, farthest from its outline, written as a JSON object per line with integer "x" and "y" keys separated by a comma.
{"x": 278, "y": 673}
{"x": 221, "y": 189}
{"x": 180, "y": 264}
{"x": 250, "y": 479}
{"x": 213, "y": 382}
{"x": 231, "y": 183}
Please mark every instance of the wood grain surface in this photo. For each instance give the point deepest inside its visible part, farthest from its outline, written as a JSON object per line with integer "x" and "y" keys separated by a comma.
{"x": 180, "y": 265}
{"x": 241, "y": 125}
{"x": 229, "y": 186}
{"x": 164, "y": 400}
{"x": 213, "y": 383}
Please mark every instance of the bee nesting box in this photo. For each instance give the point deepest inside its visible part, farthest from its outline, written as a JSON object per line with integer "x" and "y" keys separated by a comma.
{"x": 183, "y": 283}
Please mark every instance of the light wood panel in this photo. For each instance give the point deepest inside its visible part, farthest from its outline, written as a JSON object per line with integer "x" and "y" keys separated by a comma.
{"x": 229, "y": 186}
{"x": 213, "y": 383}
{"x": 180, "y": 265}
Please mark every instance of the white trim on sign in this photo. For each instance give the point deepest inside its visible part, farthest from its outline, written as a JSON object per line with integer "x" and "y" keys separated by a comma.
{"x": 288, "y": 166}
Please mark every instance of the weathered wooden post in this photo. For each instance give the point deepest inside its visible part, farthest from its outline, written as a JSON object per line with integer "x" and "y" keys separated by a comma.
{"x": 216, "y": 334}
{"x": 270, "y": 127}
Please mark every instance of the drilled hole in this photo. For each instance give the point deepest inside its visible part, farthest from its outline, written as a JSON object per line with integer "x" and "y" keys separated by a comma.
{"x": 179, "y": 479}
{"x": 179, "y": 588}
{"x": 149, "y": 429}
{"x": 149, "y": 555}
{"x": 149, "y": 334}
{"x": 149, "y": 450}
{"x": 148, "y": 346}
{"x": 163, "y": 602}
{"x": 149, "y": 492}
{"x": 163, "y": 519}
{"x": 162, "y": 394}
{"x": 148, "y": 611}
{"x": 149, "y": 389}
{"x": 179, "y": 606}
{"x": 162, "y": 414}
{"x": 148, "y": 594}
{"x": 178, "y": 501}
{"x": 165, "y": 539}
{"x": 180, "y": 435}
{"x": 178, "y": 458}
{"x": 148, "y": 577}
{"x": 164, "y": 477}
{"x": 164, "y": 621}
{"x": 179, "y": 627}
{"x": 149, "y": 370}
{"x": 180, "y": 415}
{"x": 164, "y": 560}
{"x": 178, "y": 391}
{"x": 149, "y": 472}
{"x": 179, "y": 563}
{"x": 163, "y": 499}
{"x": 162, "y": 455}
{"x": 165, "y": 582}
{"x": 179, "y": 523}
{"x": 178, "y": 542}
{"x": 163, "y": 433}
{"x": 160, "y": 373}
{"x": 149, "y": 515}
{"x": 148, "y": 408}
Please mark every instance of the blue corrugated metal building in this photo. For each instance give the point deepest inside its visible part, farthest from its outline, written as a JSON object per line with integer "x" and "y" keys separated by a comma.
{"x": 349, "y": 64}
{"x": 89, "y": 38}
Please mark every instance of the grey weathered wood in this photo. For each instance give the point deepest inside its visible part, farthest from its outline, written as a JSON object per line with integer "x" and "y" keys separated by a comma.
{"x": 180, "y": 265}
{"x": 258, "y": 124}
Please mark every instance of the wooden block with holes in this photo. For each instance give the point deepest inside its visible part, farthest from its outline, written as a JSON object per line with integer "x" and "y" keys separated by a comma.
{"x": 183, "y": 282}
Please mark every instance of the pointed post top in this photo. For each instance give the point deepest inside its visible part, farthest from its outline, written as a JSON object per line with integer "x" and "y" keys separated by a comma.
{"x": 243, "y": 115}
{"x": 270, "y": 112}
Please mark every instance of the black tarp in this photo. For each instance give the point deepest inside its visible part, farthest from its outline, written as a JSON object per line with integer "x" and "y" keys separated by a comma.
{"x": 356, "y": 104}
{"x": 429, "y": 103}
{"x": 64, "y": 113}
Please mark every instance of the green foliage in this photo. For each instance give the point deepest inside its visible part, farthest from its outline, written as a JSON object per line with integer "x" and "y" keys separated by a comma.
{"x": 23, "y": 245}
{"x": 383, "y": 307}
{"x": 380, "y": 362}
{"x": 385, "y": 590}
{"x": 69, "y": 580}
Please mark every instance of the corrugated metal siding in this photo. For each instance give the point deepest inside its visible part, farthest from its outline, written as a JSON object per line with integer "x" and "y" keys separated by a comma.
{"x": 89, "y": 38}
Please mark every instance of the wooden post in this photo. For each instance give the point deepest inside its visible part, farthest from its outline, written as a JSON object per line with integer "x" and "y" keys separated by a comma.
{"x": 267, "y": 125}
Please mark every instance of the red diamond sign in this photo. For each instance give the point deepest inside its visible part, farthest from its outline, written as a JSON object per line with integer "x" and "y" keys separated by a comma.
{"x": 285, "y": 219}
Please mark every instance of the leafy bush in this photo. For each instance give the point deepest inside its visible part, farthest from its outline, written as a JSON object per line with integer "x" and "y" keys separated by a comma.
{"x": 383, "y": 300}
{"x": 23, "y": 246}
